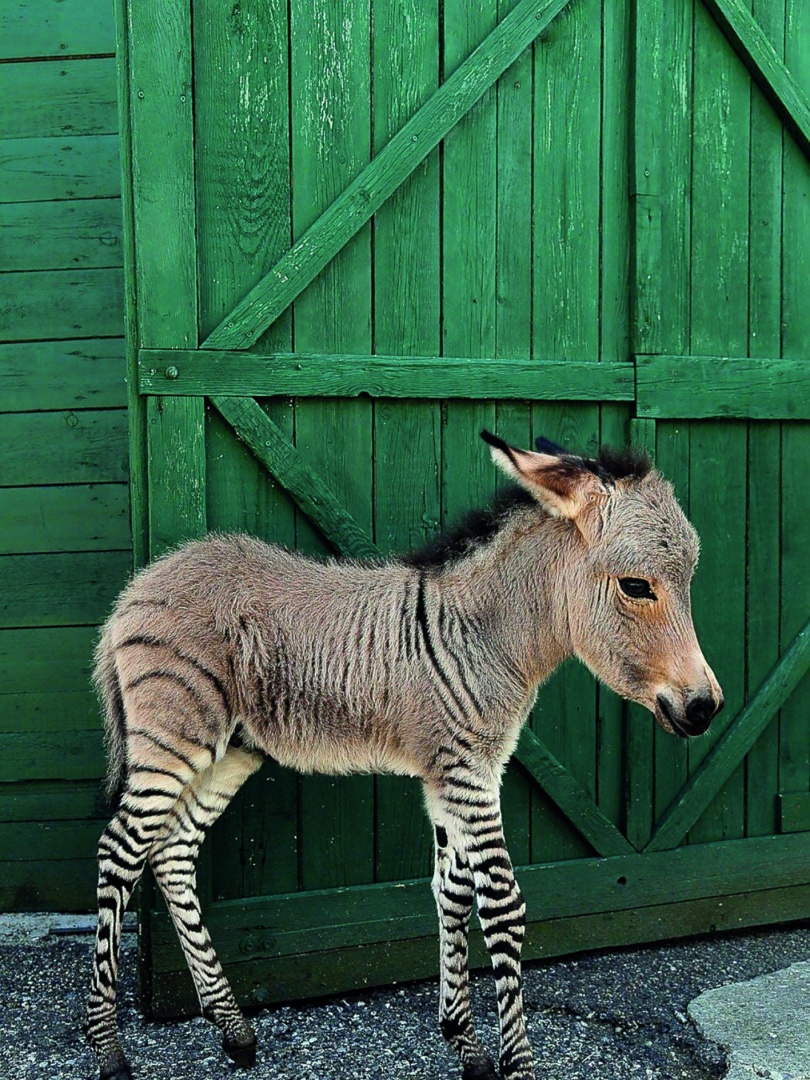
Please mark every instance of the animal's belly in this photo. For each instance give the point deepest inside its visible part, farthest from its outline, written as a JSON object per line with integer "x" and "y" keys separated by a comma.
{"x": 341, "y": 759}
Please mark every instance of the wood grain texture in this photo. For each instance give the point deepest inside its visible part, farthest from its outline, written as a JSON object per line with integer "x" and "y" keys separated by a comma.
{"x": 176, "y": 471}
{"x": 60, "y": 304}
{"x": 60, "y": 658}
{"x": 160, "y": 114}
{"x": 61, "y": 235}
{"x": 386, "y": 962}
{"x": 569, "y": 797}
{"x": 71, "y": 589}
{"x": 662, "y": 151}
{"x": 43, "y": 375}
{"x": 41, "y": 99}
{"x": 38, "y": 169}
{"x": 403, "y": 912}
{"x": 356, "y": 204}
{"x": 391, "y": 376}
{"x": 716, "y": 387}
{"x": 30, "y": 28}
{"x": 79, "y": 517}
{"x": 53, "y": 755}
{"x": 72, "y": 447}
{"x": 758, "y": 54}
{"x": 794, "y": 751}
{"x": 37, "y": 713}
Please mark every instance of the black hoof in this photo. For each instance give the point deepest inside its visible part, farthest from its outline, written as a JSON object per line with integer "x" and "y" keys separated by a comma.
{"x": 481, "y": 1070}
{"x": 243, "y": 1055}
{"x": 120, "y": 1072}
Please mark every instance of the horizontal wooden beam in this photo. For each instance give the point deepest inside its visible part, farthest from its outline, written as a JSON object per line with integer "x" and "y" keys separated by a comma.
{"x": 384, "y": 174}
{"x": 705, "y": 387}
{"x": 765, "y": 66}
{"x": 309, "y": 922}
{"x": 275, "y": 451}
{"x": 238, "y": 374}
{"x": 733, "y": 745}
{"x": 568, "y": 794}
{"x": 267, "y": 978}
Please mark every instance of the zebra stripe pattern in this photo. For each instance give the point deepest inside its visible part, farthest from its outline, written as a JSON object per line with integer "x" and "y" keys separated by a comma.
{"x": 229, "y": 651}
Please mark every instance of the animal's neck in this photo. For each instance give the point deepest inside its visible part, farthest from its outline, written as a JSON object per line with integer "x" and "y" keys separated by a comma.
{"x": 516, "y": 585}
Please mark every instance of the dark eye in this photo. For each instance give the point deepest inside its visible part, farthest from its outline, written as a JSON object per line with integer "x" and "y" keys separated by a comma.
{"x": 636, "y": 587}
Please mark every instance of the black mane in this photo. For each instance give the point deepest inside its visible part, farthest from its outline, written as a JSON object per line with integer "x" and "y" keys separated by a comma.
{"x": 609, "y": 463}
{"x": 628, "y": 462}
{"x": 471, "y": 532}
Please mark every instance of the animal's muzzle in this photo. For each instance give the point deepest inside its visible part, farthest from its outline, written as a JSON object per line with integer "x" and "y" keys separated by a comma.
{"x": 697, "y": 716}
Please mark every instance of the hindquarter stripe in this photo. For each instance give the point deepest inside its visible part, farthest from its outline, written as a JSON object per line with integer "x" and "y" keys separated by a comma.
{"x": 151, "y": 641}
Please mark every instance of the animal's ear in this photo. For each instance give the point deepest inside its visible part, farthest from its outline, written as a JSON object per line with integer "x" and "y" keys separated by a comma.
{"x": 562, "y": 482}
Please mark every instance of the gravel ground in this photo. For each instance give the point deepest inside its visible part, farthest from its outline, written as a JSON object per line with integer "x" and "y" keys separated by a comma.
{"x": 604, "y": 1016}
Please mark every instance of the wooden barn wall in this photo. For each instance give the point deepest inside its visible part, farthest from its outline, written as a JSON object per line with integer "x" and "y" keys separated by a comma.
{"x": 510, "y": 241}
{"x": 65, "y": 544}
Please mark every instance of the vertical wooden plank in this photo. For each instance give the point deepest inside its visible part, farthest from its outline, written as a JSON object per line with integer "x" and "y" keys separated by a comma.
{"x": 469, "y": 238}
{"x": 243, "y": 211}
{"x": 661, "y": 310}
{"x": 513, "y": 326}
{"x": 794, "y": 751}
{"x": 331, "y": 125}
{"x": 662, "y": 163}
{"x": 407, "y": 434}
{"x": 614, "y": 335}
{"x": 566, "y": 318}
{"x": 176, "y": 470}
{"x": 764, "y": 438}
{"x": 162, "y": 119}
{"x": 161, "y": 115}
{"x": 136, "y": 405}
{"x": 615, "y": 289}
{"x": 169, "y": 430}
{"x": 720, "y": 326}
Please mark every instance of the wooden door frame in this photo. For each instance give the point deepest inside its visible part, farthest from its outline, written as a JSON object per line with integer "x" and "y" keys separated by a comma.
{"x": 616, "y": 898}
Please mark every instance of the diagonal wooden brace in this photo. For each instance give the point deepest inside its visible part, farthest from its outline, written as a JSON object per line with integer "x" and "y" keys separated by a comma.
{"x": 381, "y": 177}
{"x": 733, "y": 745}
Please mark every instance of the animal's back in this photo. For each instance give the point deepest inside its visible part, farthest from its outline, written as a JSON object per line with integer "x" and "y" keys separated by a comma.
{"x": 296, "y": 651}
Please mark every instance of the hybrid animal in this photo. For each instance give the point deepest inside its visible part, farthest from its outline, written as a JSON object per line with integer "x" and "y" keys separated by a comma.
{"x": 228, "y": 651}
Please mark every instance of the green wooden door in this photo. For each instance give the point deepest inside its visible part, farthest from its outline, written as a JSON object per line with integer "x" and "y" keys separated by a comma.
{"x": 361, "y": 232}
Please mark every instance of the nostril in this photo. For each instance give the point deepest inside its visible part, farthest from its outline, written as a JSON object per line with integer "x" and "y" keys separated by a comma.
{"x": 699, "y": 713}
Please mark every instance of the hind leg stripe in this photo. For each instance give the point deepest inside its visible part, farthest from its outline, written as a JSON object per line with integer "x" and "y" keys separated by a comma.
{"x": 173, "y": 859}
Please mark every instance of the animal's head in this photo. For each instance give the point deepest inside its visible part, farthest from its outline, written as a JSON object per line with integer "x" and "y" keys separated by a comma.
{"x": 627, "y": 565}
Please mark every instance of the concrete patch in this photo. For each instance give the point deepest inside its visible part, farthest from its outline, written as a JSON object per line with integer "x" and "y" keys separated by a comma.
{"x": 764, "y": 1024}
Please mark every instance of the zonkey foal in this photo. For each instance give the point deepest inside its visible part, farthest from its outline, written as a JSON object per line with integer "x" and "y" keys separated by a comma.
{"x": 228, "y": 651}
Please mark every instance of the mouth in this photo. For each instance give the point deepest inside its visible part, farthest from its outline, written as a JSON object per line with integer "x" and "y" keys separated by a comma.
{"x": 665, "y": 716}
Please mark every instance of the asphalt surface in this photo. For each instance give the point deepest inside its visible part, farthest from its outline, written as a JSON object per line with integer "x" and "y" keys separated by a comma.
{"x": 615, "y": 1015}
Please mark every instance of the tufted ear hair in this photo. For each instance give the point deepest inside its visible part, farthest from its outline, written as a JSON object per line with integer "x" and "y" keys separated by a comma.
{"x": 564, "y": 484}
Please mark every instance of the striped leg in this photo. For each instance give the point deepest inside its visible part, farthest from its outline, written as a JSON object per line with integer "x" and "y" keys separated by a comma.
{"x": 471, "y": 818}
{"x": 173, "y": 858}
{"x": 122, "y": 853}
{"x": 453, "y": 887}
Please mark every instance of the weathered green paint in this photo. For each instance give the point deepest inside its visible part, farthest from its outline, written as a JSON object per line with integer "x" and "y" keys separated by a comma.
{"x": 705, "y": 387}
{"x": 306, "y": 375}
{"x": 64, "y": 501}
{"x": 569, "y": 264}
{"x": 390, "y": 167}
